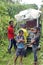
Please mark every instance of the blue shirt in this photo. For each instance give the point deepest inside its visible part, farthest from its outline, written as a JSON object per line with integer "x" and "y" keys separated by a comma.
{"x": 20, "y": 45}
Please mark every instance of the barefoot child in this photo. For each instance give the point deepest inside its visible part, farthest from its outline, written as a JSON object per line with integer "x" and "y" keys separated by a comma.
{"x": 20, "y": 47}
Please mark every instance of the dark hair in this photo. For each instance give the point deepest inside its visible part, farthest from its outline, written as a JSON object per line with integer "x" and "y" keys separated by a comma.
{"x": 10, "y": 22}
{"x": 37, "y": 28}
{"x": 21, "y": 31}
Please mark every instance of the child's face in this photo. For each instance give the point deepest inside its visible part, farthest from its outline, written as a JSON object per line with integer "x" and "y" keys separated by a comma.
{"x": 35, "y": 30}
{"x": 21, "y": 34}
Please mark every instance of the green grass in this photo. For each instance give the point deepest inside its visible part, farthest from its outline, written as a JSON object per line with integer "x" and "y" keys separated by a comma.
{"x": 8, "y": 59}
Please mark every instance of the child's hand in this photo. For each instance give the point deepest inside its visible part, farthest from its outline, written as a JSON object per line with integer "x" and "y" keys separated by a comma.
{"x": 20, "y": 39}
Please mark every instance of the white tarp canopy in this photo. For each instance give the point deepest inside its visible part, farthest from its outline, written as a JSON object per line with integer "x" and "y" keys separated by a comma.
{"x": 28, "y": 14}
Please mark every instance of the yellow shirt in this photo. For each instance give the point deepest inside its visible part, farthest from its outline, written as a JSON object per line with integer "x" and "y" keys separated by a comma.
{"x": 25, "y": 34}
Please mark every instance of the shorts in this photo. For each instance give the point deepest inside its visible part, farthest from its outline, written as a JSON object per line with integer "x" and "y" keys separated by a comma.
{"x": 20, "y": 52}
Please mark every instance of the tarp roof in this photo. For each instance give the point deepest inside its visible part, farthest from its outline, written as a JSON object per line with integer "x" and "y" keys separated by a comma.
{"x": 28, "y": 14}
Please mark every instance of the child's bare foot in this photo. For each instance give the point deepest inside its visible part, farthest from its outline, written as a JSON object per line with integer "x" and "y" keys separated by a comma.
{"x": 21, "y": 64}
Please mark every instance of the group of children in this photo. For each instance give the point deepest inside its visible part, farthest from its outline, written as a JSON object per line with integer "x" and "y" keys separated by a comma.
{"x": 19, "y": 42}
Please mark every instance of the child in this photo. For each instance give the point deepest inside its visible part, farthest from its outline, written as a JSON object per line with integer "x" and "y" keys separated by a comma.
{"x": 20, "y": 47}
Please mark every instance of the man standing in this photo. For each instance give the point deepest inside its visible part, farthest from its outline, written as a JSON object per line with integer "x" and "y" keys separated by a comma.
{"x": 11, "y": 36}
{"x": 34, "y": 42}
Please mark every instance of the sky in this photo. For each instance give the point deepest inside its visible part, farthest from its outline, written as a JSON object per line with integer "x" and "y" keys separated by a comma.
{"x": 32, "y": 1}
{"x": 37, "y": 2}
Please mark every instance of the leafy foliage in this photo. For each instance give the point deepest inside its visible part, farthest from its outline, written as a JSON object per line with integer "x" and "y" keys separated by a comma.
{"x": 7, "y": 11}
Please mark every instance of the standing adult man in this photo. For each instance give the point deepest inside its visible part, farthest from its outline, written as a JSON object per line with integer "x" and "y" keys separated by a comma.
{"x": 34, "y": 42}
{"x": 11, "y": 36}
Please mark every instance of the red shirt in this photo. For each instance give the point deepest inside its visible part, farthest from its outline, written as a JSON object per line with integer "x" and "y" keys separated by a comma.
{"x": 10, "y": 32}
